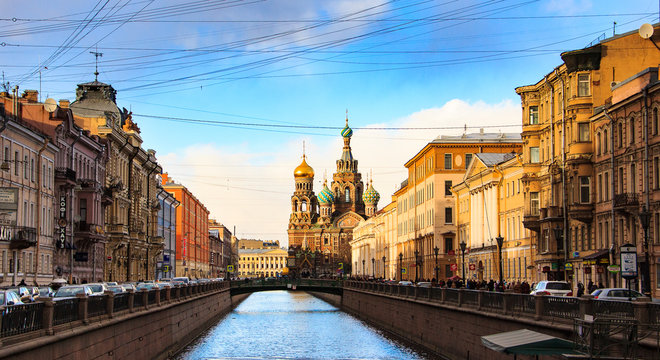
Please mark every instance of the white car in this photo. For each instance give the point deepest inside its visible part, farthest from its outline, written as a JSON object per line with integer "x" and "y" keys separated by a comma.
{"x": 553, "y": 288}
{"x": 405, "y": 283}
{"x": 616, "y": 294}
{"x": 98, "y": 288}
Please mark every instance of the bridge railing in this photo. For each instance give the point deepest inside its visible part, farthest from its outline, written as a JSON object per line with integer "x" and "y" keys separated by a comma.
{"x": 538, "y": 307}
{"x": 24, "y": 322}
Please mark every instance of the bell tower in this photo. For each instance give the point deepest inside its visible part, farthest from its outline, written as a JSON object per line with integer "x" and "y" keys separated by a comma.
{"x": 347, "y": 183}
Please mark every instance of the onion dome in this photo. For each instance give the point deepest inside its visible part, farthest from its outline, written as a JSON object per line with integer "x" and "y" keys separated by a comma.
{"x": 325, "y": 196}
{"x": 371, "y": 196}
{"x": 303, "y": 170}
{"x": 346, "y": 132}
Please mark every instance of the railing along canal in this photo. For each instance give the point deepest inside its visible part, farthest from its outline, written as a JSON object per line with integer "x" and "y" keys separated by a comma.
{"x": 553, "y": 308}
{"x": 47, "y": 316}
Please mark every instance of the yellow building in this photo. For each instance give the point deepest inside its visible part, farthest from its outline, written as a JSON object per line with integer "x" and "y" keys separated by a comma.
{"x": 558, "y": 156}
{"x": 489, "y": 204}
{"x": 425, "y": 202}
{"x": 373, "y": 244}
{"x": 253, "y": 263}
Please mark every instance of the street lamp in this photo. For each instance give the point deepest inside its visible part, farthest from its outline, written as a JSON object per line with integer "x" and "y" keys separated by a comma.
{"x": 644, "y": 218}
{"x": 383, "y": 267}
{"x": 416, "y": 264}
{"x": 435, "y": 251}
{"x": 362, "y": 267}
{"x": 400, "y": 267}
{"x": 463, "y": 245}
{"x": 500, "y": 240}
{"x": 373, "y": 268}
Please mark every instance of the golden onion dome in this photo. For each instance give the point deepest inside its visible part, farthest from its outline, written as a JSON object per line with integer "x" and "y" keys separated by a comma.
{"x": 303, "y": 170}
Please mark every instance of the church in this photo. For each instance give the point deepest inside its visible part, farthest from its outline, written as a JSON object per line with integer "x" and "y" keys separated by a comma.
{"x": 321, "y": 226}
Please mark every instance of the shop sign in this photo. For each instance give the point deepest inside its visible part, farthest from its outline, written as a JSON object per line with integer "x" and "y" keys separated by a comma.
{"x": 555, "y": 266}
{"x": 614, "y": 268}
{"x": 628, "y": 261}
{"x": 576, "y": 254}
{"x": 604, "y": 261}
{"x": 473, "y": 267}
{"x": 453, "y": 267}
{"x": 568, "y": 267}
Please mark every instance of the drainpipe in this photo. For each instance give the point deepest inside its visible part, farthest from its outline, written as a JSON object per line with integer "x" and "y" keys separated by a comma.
{"x": 130, "y": 209}
{"x": 71, "y": 206}
{"x": 563, "y": 169}
{"x": 39, "y": 175}
{"x": 612, "y": 247}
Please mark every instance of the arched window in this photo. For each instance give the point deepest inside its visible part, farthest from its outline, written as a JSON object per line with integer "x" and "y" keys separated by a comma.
{"x": 631, "y": 130}
{"x": 655, "y": 121}
{"x": 598, "y": 143}
{"x": 303, "y": 205}
{"x": 347, "y": 194}
{"x": 605, "y": 142}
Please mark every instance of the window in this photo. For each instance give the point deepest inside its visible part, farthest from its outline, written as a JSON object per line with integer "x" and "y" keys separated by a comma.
{"x": 585, "y": 193}
{"x": 448, "y": 187}
{"x": 656, "y": 172}
{"x": 583, "y": 85}
{"x": 32, "y": 170}
{"x": 534, "y": 203}
{"x": 468, "y": 159}
{"x": 598, "y": 140}
{"x": 633, "y": 178}
{"x": 605, "y": 141}
{"x": 631, "y": 131}
{"x": 655, "y": 121}
{"x": 533, "y": 115}
{"x": 448, "y": 161}
{"x": 600, "y": 187}
{"x": 583, "y": 132}
{"x": 347, "y": 195}
{"x": 17, "y": 162}
{"x": 534, "y": 154}
{"x": 448, "y": 216}
{"x": 606, "y": 186}
{"x": 26, "y": 165}
{"x": 619, "y": 135}
{"x": 449, "y": 244}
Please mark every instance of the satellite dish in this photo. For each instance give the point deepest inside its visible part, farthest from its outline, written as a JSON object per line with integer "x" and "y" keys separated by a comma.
{"x": 646, "y": 31}
{"x": 50, "y": 105}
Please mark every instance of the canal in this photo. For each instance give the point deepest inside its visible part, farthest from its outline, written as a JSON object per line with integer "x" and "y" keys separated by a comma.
{"x": 293, "y": 325}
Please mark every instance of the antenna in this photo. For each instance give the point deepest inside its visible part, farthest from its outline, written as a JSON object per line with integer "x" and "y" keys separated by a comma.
{"x": 614, "y": 29}
{"x": 646, "y": 31}
{"x": 96, "y": 55}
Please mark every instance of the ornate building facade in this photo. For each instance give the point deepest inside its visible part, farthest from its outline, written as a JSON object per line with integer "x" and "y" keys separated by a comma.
{"x": 321, "y": 227}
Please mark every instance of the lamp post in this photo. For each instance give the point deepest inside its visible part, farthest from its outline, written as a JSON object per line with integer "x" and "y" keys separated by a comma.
{"x": 500, "y": 240}
{"x": 373, "y": 268}
{"x": 416, "y": 264}
{"x": 463, "y": 245}
{"x": 435, "y": 251}
{"x": 400, "y": 266}
{"x": 383, "y": 267}
{"x": 644, "y": 218}
{"x": 363, "y": 267}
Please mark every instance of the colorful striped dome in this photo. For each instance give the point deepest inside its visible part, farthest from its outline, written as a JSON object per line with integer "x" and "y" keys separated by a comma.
{"x": 346, "y": 131}
{"x": 325, "y": 196}
{"x": 371, "y": 196}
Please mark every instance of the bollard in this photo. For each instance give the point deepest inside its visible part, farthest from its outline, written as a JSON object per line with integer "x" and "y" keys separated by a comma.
{"x": 538, "y": 305}
{"x": 480, "y": 299}
{"x": 145, "y": 298}
{"x": 48, "y": 314}
{"x": 460, "y": 297}
{"x": 158, "y": 292}
{"x": 168, "y": 293}
{"x": 131, "y": 299}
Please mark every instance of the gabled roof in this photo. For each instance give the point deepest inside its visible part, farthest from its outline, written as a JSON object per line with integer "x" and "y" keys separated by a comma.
{"x": 492, "y": 159}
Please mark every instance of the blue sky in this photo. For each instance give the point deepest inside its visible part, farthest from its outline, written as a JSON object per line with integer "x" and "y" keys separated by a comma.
{"x": 433, "y": 64}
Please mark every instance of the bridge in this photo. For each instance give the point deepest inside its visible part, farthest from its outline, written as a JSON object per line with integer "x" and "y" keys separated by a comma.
{"x": 156, "y": 324}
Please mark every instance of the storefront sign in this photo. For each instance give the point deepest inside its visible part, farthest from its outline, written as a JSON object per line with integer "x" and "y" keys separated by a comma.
{"x": 453, "y": 267}
{"x": 628, "y": 261}
{"x": 614, "y": 268}
{"x": 568, "y": 267}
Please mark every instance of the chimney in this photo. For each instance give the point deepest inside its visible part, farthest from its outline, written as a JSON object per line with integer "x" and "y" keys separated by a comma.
{"x": 64, "y": 103}
{"x": 164, "y": 176}
{"x": 31, "y": 95}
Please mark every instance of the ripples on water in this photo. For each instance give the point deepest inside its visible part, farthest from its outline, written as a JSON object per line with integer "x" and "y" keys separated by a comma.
{"x": 292, "y": 325}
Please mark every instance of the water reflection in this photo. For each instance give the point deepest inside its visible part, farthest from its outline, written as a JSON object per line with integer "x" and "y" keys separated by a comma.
{"x": 292, "y": 325}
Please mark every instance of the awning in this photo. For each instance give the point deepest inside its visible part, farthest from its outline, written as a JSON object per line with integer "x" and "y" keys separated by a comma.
{"x": 597, "y": 255}
{"x": 527, "y": 342}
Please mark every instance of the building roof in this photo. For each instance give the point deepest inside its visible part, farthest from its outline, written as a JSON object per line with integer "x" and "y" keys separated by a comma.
{"x": 479, "y": 137}
{"x": 257, "y": 251}
{"x": 492, "y": 159}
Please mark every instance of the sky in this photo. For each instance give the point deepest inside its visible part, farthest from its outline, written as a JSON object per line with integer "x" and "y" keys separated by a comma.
{"x": 228, "y": 91}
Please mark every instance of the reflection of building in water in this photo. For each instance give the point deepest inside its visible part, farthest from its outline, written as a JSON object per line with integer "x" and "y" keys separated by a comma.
{"x": 321, "y": 226}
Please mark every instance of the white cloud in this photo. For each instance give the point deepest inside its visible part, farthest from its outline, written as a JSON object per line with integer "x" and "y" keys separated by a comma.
{"x": 568, "y": 7}
{"x": 252, "y": 190}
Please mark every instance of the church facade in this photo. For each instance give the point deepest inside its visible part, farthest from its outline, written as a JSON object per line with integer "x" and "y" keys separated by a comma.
{"x": 321, "y": 225}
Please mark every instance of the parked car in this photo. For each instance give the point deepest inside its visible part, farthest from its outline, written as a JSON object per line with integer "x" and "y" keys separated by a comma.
{"x": 8, "y": 298}
{"x": 425, "y": 284}
{"x": 616, "y": 294}
{"x": 183, "y": 279}
{"x": 128, "y": 286}
{"x": 98, "y": 288}
{"x": 34, "y": 291}
{"x": 116, "y": 289}
{"x": 405, "y": 283}
{"x": 22, "y": 292}
{"x": 147, "y": 286}
{"x": 46, "y": 292}
{"x": 111, "y": 283}
{"x": 69, "y": 291}
{"x": 553, "y": 288}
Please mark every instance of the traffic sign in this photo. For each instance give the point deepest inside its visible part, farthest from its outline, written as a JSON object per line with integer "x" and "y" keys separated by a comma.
{"x": 404, "y": 271}
{"x": 230, "y": 268}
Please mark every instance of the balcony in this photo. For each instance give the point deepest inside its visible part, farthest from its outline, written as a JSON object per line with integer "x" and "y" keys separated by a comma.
{"x": 581, "y": 212}
{"x": 88, "y": 184}
{"x": 22, "y": 237}
{"x": 626, "y": 202}
{"x": 66, "y": 175}
{"x": 532, "y": 221}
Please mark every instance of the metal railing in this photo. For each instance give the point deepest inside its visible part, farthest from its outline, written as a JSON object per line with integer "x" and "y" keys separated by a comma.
{"x": 42, "y": 316}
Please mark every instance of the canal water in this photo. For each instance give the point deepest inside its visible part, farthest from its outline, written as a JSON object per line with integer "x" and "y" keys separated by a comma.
{"x": 293, "y": 325}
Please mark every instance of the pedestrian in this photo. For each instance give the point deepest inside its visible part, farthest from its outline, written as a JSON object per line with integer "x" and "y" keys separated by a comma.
{"x": 580, "y": 289}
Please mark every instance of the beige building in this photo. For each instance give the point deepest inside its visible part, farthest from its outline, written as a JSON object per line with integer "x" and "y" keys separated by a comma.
{"x": 425, "y": 203}
{"x": 489, "y": 205}
{"x": 374, "y": 244}
{"x": 254, "y": 263}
